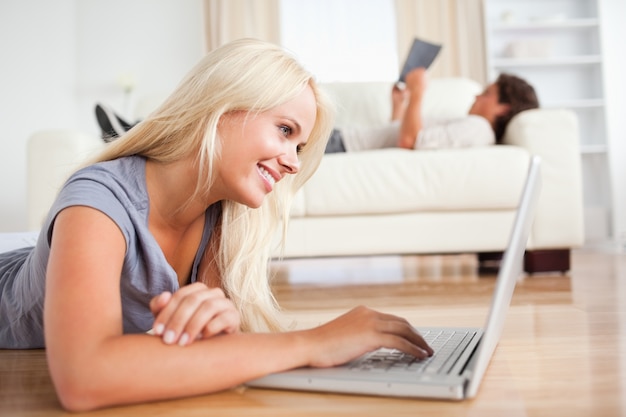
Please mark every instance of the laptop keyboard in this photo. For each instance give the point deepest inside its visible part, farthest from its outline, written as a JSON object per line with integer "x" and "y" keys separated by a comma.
{"x": 447, "y": 344}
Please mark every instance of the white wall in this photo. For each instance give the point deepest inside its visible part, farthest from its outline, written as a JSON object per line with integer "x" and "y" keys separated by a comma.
{"x": 612, "y": 14}
{"x": 58, "y": 58}
{"x": 37, "y": 73}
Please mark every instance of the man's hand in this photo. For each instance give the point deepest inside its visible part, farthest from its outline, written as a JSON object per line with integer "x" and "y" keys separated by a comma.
{"x": 399, "y": 97}
{"x": 417, "y": 81}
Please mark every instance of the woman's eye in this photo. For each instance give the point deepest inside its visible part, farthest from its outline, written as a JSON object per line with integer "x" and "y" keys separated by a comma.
{"x": 285, "y": 129}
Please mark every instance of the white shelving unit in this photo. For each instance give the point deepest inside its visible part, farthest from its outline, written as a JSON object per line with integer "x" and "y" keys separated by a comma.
{"x": 556, "y": 46}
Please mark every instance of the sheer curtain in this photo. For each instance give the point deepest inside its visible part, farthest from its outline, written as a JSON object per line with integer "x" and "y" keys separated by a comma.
{"x": 227, "y": 20}
{"x": 456, "y": 24}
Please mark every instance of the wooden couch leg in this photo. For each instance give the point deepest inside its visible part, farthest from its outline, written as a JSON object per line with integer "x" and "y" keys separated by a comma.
{"x": 549, "y": 260}
{"x": 489, "y": 262}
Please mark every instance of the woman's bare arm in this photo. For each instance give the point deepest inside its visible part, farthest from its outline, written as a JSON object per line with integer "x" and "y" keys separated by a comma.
{"x": 93, "y": 364}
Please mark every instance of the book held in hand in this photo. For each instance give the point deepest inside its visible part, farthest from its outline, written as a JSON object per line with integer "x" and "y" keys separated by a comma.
{"x": 421, "y": 54}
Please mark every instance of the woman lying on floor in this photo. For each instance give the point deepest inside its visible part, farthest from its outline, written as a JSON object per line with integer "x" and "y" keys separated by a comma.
{"x": 169, "y": 230}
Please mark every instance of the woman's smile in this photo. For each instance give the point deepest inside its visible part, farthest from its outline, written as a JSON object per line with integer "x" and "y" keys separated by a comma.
{"x": 269, "y": 178}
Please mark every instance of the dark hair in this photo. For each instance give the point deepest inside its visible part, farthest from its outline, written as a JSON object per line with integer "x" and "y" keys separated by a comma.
{"x": 518, "y": 94}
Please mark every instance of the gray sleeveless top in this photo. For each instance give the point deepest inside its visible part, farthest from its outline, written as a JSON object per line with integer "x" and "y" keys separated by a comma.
{"x": 118, "y": 189}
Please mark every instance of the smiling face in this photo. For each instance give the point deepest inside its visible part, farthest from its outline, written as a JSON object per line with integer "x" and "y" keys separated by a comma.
{"x": 259, "y": 149}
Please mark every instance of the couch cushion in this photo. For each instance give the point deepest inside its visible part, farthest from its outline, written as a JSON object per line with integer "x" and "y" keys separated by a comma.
{"x": 397, "y": 181}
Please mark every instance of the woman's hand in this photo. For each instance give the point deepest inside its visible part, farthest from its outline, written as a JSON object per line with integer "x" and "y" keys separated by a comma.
{"x": 193, "y": 312}
{"x": 363, "y": 330}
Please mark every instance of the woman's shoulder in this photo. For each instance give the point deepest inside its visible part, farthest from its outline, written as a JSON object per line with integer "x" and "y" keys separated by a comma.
{"x": 121, "y": 176}
{"x": 124, "y": 166}
{"x": 117, "y": 188}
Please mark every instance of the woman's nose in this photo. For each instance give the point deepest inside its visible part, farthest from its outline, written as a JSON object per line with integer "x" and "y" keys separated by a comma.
{"x": 290, "y": 161}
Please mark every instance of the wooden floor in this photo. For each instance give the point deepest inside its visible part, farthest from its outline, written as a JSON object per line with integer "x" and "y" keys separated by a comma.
{"x": 563, "y": 351}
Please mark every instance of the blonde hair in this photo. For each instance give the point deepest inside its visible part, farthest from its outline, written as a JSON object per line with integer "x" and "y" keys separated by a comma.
{"x": 244, "y": 75}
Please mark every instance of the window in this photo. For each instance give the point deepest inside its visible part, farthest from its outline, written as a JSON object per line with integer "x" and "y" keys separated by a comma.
{"x": 347, "y": 40}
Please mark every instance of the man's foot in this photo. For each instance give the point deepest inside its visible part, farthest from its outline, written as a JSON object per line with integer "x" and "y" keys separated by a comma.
{"x": 111, "y": 125}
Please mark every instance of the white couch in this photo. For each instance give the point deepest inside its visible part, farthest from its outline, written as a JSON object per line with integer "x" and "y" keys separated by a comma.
{"x": 395, "y": 201}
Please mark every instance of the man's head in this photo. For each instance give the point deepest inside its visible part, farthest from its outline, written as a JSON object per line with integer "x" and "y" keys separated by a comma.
{"x": 500, "y": 101}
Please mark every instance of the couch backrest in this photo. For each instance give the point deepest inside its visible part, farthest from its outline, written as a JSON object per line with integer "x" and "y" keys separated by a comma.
{"x": 369, "y": 103}
{"x": 52, "y": 156}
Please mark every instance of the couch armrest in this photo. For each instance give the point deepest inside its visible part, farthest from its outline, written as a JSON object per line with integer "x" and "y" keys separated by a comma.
{"x": 52, "y": 156}
{"x": 553, "y": 135}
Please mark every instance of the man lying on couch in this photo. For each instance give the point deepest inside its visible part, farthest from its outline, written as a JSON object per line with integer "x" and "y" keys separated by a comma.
{"x": 484, "y": 125}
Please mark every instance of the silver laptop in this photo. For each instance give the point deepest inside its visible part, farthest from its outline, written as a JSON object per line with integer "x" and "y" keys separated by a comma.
{"x": 461, "y": 356}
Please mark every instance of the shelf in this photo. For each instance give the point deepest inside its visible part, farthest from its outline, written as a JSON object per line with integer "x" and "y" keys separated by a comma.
{"x": 556, "y": 45}
{"x": 547, "y": 24}
{"x": 547, "y": 62}
{"x": 593, "y": 149}
{"x": 592, "y": 103}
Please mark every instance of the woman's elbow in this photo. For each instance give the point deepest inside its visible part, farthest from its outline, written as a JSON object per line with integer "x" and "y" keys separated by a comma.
{"x": 75, "y": 399}
{"x": 78, "y": 391}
